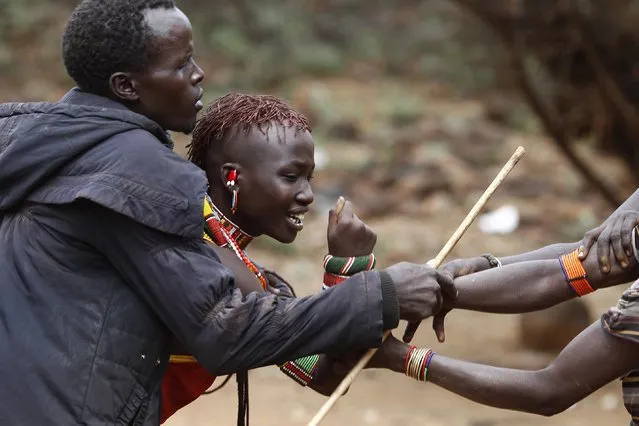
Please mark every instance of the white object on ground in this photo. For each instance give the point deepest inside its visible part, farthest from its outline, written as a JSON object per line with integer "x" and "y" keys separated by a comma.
{"x": 321, "y": 158}
{"x": 504, "y": 220}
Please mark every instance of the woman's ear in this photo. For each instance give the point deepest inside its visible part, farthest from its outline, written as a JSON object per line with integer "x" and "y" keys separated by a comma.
{"x": 229, "y": 171}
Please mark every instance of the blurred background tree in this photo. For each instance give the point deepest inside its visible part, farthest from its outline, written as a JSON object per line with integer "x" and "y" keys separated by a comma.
{"x": 571, "y": 62}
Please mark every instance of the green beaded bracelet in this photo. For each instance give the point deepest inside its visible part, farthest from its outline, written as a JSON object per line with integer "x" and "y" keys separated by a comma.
{"x": 348, "y": 265}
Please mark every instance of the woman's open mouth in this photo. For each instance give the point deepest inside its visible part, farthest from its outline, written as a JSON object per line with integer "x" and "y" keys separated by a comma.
{"x": 296, "y": 220}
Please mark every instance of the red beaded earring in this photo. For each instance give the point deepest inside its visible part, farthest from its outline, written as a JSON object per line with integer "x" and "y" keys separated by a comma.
{"x": 231, "y": 184}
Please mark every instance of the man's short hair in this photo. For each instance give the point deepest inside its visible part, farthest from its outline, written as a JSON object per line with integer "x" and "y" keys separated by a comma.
{"x": 106, "y": 36}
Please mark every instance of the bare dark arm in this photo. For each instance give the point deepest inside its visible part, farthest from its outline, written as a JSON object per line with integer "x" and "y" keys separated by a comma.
{"x": 591, "y": 360}
{"x": 530, "y": 286}
{"x": 552, "y": 251}
{"x": 522, "y": 287}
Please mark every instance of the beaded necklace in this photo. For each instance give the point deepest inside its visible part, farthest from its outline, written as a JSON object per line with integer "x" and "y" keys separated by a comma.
{"x": 225, "y": 233}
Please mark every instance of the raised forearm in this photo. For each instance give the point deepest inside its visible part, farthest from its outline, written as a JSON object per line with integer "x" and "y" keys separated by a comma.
{"x": 530, "y": 286}
{"x": 552, "y": 251}
{"x": 523, "y": 287}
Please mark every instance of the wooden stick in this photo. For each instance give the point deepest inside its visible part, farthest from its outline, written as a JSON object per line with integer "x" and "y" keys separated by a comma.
{"x": 339, "y": 206}
{"x": 350, "y": 377}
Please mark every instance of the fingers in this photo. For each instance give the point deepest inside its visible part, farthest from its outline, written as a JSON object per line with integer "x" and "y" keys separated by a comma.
{"x": 457, "y": 268}
{"x": 616, "y": 233}
{"x": 347, "y": 210}
{"x": 460, "y": 267}
{"x": 445, "y": 280}
{"x": 627, "y": 228}
{"x": 342, "y": 212}
{"x": 273, "y": 290}
{"x": 373, "y": 234}
{"x": 589, "y": 240}
{"x": 449, "y": 268}
{"x": 409, "y": 333}
{"x": 438, "y": 326}
{"x": 603, "y": 250}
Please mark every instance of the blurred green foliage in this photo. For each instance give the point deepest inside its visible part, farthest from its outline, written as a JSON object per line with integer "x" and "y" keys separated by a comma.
{"x": 259, "y": 44}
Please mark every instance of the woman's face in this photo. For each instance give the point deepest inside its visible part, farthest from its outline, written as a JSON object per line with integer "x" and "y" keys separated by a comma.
{"x": 274, "y": 169}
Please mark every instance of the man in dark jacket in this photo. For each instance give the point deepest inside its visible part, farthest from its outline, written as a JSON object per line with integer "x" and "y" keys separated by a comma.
{"x": 102, "y": 258}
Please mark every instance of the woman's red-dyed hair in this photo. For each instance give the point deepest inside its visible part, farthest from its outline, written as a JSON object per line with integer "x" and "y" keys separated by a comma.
{"x": 237, "y": 112}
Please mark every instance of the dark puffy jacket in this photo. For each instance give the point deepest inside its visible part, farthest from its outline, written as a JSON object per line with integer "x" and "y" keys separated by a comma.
{"x": 101, "y": 259}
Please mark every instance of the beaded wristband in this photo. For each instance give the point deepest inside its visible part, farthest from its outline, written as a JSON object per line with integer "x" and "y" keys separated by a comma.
{"x": 430, "y": 358}
{"x": 575, "y": 273}
{"x": 417, "y": 362}
{"x": 302, "y": 370}
{"x": 331, "y": 280}
{"x": 348, "y": 265}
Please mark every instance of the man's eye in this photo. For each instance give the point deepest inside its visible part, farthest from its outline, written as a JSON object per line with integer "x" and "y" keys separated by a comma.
{"x": 291, "y": 178}
{"x": 187, "y": 61}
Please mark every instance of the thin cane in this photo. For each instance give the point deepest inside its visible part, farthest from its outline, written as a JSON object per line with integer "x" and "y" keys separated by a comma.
{"x": 350, "y": 377}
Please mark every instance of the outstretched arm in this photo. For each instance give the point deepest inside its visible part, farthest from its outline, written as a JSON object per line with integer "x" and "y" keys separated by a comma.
{"x": 591, "y": 360}
{"x": 530, "y": 286}
{"x": 523, "y": 287}
{"x": 549, "y": 252}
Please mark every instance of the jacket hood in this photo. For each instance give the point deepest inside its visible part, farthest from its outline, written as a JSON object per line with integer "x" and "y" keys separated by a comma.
{"x": 87, "y": 147}
{"x": 39, "y": 138}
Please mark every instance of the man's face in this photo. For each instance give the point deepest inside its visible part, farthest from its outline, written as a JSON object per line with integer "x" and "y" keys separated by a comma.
{"x": 169, "y": 89}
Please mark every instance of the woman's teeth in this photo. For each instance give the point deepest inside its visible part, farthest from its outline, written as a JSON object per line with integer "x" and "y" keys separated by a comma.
{"x": 298, "y": 219}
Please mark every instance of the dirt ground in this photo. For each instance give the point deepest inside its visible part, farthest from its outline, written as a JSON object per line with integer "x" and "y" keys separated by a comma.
{"x": 554, "y": 206}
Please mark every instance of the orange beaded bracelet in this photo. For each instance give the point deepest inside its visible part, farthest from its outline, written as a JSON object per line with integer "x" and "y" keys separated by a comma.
{"x": 575, "y": 273}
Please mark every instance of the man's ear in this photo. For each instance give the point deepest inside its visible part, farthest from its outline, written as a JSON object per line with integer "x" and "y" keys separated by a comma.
{"x": 123, "y": 86}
